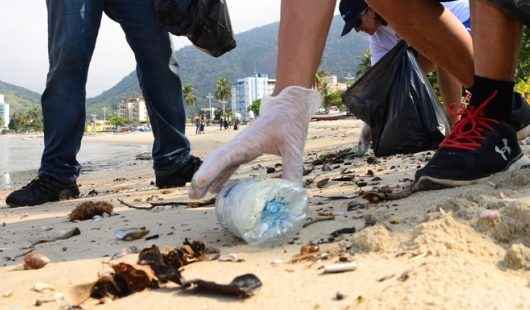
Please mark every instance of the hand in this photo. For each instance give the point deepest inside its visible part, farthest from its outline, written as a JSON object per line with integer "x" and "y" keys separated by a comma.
{"x": 281, "y": 129}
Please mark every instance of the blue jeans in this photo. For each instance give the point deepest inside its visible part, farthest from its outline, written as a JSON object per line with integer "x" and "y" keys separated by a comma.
{"x": 73, "y": 27}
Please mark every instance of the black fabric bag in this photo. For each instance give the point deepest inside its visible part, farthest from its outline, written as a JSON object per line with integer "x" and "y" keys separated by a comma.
{"x": 398, "y": 103}
{"x": 206, "y": 23}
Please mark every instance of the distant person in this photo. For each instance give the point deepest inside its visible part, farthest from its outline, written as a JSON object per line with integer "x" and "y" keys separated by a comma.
{"x": 221, "y": 123}
{"x": 197, "y": 121}
{"x": 236, "y": 124}
{"x": 72, "y": 31}
{"x": 226, "y": 124}
{"x": 202, "y": 124}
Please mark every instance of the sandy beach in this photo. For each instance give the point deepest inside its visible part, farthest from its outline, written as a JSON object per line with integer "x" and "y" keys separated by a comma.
{"x": 461, "y": 248}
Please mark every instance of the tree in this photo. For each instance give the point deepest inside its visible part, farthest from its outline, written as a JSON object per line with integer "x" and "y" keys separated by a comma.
{"x": 364, "y": 65}
{"x": 116, "y": 121}
{"x": 189, "y": 97}
{"x": 333, "y": 99}
{"x": 255, "y": 106}
{"x": 223, "y": 91}
{"x": 321, "y": 82}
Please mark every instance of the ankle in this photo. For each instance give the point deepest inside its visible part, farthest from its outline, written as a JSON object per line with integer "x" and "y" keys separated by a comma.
{"x": 500, "y": 94}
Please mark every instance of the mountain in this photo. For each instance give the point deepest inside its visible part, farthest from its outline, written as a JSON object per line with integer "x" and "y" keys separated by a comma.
{"x": 256, "y": 52}
{"x": 18, "y": 98}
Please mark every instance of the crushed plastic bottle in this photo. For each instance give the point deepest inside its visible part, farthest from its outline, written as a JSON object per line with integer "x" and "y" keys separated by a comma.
{"x": 262, "y": 212}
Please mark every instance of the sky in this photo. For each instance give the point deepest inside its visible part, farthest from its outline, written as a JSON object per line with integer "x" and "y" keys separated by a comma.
{"x": 23, "y": 47}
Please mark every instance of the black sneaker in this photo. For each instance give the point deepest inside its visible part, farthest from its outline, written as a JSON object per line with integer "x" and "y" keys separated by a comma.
{"x": 41, "y": 190}
{"x": 180, "y": 177}
{"x": 477, "y": 148}
{"x": 520, "y": 119}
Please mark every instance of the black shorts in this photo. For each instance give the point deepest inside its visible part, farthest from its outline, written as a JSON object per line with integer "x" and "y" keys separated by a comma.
{"x": 520, "y": 9}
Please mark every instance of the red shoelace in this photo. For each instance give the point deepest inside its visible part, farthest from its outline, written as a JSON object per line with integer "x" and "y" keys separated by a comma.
{"x": 470, "y": 130}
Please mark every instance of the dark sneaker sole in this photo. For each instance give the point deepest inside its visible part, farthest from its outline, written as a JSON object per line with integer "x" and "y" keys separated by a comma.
{"x": 425, "y": 183}
{"x": 63, "y": 195}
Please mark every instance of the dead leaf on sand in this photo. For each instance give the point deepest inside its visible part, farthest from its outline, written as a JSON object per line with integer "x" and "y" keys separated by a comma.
{"x": 87, "y": 210}
{"x": 243, "y": 286}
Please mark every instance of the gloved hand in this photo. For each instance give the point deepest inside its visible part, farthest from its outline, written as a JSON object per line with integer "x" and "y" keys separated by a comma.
{"x": 281, "y": 129}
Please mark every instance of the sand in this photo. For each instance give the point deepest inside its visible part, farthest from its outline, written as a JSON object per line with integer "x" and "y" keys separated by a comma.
{"x": 431, "y": 250}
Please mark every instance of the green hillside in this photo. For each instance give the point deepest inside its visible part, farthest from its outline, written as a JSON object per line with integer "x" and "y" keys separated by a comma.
{"x": 19, "y": 98}
{"x": 256, "y": 52}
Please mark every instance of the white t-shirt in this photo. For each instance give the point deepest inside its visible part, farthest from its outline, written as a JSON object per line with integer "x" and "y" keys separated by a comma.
{"x": 385, "y": 38}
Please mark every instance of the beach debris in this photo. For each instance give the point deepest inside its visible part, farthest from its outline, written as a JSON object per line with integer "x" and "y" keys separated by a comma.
{"x": 7, "y": 294}
{"x": 387, "y": 193}
{"x": 343, "y": 231}
{"x": 340, "y": 267}
{"x": 57, "y": 298}
{"x": 189, "y": 204}
{"x": 277, "y": 261}
{"x": 125, "y": 280}
{"x": 404, "y": 276}
{"x": 326, "y": 167}
{"x": 41, "y": 287}
{"x": 152, "y": 237}
{"x": 308, "y": 170}
{"x": 318, "y": 220}
{"x": 336, "y": 197}
{"x": 518, "y": 257}
{"x": 339, "y": 296}
{"x": 322, "y": 183}
{"x": 336, "y": 157}
{"x": 130, "y": 234}
{"x": 369, "y": 220}
{"x": 125, "y": 252}
{"x": 232, "y": 257}
{"x": 67, "y": 235}
{"x": 92, "y": 193}
{"x": 144, "y": 156}
{"x": 344, "y": 178}
{"x": 384, "y": 278}
{"x": 243, "y": 286}
{"x": 166, "y": 265}
{"x": 354, "y": 205}
{"x": 155, "y": 268}
{"x": 360, "y": 299}
{"x": 307, "y": 252}
{"x": 35, "y": 260}
{"x": 271, "y": 170}
{"x": 89, "y": 209}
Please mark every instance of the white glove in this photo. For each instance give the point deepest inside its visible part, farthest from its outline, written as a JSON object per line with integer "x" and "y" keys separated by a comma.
{"x": 281, "y": 129}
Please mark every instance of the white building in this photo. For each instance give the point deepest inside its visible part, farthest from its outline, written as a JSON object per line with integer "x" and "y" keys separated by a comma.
{"x": 4, "y": 111}
{"x": 333, "y": 83}
{"x": 248, "y": 90}
{"x": 133, "y": 110}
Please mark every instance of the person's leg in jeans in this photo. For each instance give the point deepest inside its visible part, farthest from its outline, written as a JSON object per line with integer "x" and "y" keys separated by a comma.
{"x": 482, "y": 143}
{"x": 161, "y": 88}
{"x": 72, "y": 31}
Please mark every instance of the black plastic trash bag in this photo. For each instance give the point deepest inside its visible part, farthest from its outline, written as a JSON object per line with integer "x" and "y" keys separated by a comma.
{"x": 397, "y": 101}
{"x": 206, "y": 23}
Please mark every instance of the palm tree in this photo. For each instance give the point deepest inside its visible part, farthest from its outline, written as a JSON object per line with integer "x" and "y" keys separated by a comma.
{"x": 189, "y": 96}
{"x": 321, "y": 83}
{"x": 223, "y": 91}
